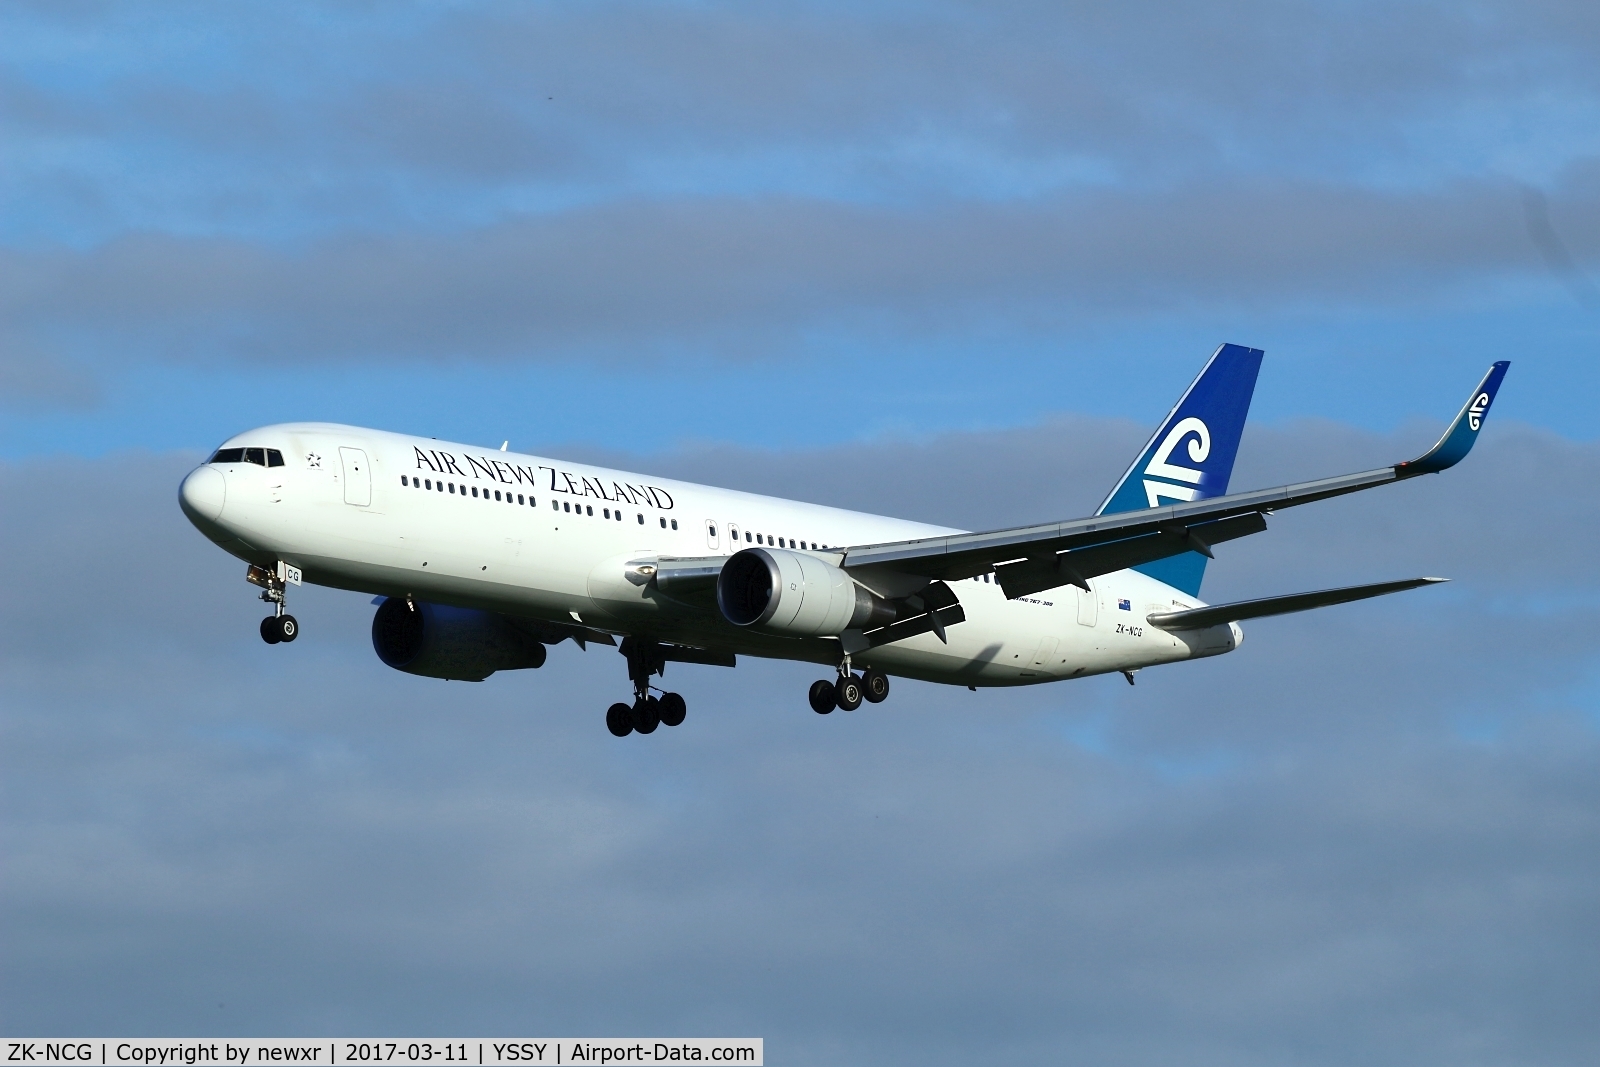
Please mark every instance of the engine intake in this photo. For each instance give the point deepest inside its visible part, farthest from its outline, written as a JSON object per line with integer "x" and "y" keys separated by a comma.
{"x": 463, "y": 644}
{"x": 796, "y": 595}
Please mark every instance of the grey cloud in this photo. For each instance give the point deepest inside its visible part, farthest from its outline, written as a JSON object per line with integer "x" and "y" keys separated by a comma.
{"x": 249, "y": 124}
{"x": 31, "y": 380}
{"x": 450, "y": 90}
{"x": 308, "y": 188}
{"x": 1536, "y": 211}
{"x": 1298, "y": 853}
{"x": 745, "y": 276}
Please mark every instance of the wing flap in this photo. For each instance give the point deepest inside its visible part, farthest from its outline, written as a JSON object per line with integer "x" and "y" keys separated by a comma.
{"x": 1027, "y": 576}
{"x": 931, "y": 621}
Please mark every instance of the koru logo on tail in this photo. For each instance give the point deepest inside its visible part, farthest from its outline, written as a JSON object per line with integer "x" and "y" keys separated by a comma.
{"x": 1475, "y": 410}
{"x": 1160, "y": 467}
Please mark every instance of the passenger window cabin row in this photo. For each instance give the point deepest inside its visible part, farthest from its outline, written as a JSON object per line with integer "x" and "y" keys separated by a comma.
{"x": 784, "y": 542}
{"x": 760, "y": 539}
{"x": 614, "y": 514}
{"x": 565, "y": 506}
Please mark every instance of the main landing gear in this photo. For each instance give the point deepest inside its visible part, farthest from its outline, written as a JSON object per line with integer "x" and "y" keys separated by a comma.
{"x": 280, "y": 626}
{"x": 849, "y": 691}
{"x": 647, "y": 710}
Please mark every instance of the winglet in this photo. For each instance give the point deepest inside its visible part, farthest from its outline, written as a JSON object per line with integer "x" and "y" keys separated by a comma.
{"x": 1458, "y": 439}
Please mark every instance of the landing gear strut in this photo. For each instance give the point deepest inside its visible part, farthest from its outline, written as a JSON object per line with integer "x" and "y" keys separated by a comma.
{"x": 849, "y": 691}
{"x": 280, "y": 626}
{"x": 647, "y": 710}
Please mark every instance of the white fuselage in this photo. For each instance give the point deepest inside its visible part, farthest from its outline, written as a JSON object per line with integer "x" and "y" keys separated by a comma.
{"x": 550, "y": 540}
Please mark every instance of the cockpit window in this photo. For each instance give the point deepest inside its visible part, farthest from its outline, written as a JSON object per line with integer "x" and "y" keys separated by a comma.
{"x": 261, "y": 457}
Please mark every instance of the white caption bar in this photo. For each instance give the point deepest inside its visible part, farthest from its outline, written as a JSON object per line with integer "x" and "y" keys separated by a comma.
{"x": 326, "y": 1052}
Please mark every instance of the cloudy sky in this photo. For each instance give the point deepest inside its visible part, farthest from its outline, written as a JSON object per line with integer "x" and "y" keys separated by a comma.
{"x": 939, "y": 260}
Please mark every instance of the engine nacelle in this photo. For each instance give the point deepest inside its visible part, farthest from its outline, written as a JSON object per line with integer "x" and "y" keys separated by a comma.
{"x": 795, "y": 595}
{"x": 463, "y": 644}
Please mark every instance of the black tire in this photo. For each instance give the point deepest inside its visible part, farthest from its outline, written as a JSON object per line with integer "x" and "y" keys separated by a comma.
{"x": 847, "y": 691}
{"x": 269, "y": 630}
{"x": 874, "y": 685}
{"x": 823, "y": 700}
{"x": 673, "y": 710}
{"x": 646, "y": 715}
{"x": 288, "y": 628}
{"x": 619, "y": 720}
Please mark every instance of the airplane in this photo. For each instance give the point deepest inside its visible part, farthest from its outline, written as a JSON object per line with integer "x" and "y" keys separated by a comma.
{"x": 480, "y": 559}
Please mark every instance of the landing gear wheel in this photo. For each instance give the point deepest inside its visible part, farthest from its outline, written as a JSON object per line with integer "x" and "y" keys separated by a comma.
{"x": 646, "y": 715}
{"x": 269, "y": 630}
{"x": 288, "y": 628}
{"x": 673, "y": 709}
{"x": 822, "y": 697}
{"x": 619, "y": 720}
{"x": 874, "y": 685}
{"x": 847, "y": 692}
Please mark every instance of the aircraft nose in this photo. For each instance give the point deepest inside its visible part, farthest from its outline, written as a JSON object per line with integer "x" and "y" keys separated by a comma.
{"x": 203, "y": 493}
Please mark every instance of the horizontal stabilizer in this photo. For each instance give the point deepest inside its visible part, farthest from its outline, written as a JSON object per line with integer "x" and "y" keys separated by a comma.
{"x": 1216, "y": 614}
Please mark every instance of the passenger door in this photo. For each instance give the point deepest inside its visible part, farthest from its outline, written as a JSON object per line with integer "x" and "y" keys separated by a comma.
{"x": 357, "y": 478}
{"x": 1088, "y": 605}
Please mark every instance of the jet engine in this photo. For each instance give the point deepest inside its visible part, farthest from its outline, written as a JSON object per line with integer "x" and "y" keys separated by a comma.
{"x": 463, "y": 644}
{"x": 792, "y": 594}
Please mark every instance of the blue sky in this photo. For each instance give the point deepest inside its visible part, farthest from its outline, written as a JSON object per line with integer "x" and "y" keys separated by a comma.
{"x": 616, "y": 224}
{"x": 947, "y": 261}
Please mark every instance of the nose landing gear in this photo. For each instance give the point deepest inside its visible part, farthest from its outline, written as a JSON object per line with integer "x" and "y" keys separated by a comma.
{"x": 280, "y": 626}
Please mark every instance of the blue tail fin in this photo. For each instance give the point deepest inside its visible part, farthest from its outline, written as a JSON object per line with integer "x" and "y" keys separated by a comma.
{"x": 1191, "y": 455}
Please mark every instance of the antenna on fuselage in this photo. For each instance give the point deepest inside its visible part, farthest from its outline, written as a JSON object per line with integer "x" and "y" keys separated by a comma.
{"x": 503, "y": 445}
